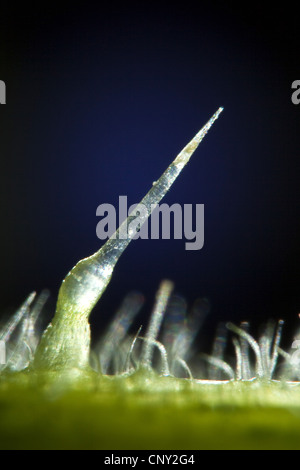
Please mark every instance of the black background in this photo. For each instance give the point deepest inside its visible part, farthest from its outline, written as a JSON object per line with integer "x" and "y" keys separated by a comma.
{"x": 99, "y": 101}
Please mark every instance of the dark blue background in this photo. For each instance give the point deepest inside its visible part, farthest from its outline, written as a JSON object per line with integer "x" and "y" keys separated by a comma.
{"x": 101, "y": 99}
